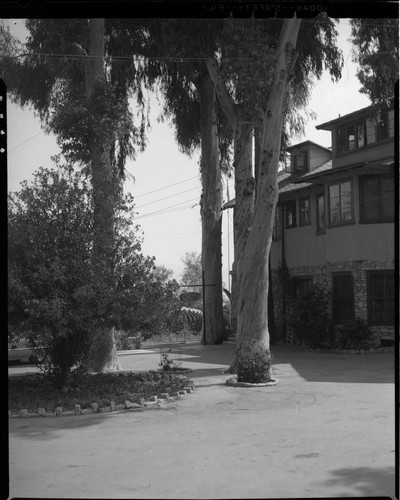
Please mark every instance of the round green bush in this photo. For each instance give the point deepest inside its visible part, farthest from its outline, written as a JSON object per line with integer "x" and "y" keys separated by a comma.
{"x": 254, "y": 364}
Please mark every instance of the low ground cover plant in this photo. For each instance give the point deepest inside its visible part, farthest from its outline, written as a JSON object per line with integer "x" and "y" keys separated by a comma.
{"x": 354, "y": 334}
{"x": 37, "y": 391}
{"x": 254, "y": 364}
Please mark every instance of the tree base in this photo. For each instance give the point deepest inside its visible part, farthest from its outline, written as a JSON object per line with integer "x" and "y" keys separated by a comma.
{"x": 232, "y": 381}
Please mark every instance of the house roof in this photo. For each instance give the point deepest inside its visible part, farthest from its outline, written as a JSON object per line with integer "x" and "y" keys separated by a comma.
{"x": 329, "y": 125}
{"x": 301, "y": 144}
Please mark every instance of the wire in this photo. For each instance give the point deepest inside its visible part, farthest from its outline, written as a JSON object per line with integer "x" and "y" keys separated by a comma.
{"x": 167, "y": 197}
{"x": 164, "y": 58}
{"x": 22, "y": 143}
{"x": 165, "y": 187}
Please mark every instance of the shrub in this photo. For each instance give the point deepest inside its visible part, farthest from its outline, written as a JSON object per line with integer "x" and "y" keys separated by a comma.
{"x": 354, "y": 334}
{"x": 254, "y": 364}
{"x": 310, "y": 320}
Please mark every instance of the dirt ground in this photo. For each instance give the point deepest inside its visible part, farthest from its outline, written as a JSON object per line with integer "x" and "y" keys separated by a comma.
{"x": 327, "y": 429}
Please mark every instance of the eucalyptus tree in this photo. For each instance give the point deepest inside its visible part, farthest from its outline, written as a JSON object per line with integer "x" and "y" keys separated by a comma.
{"x": 262, "y": 77}
{"x": 181, "y": 46}
{"x": 78, "y": 75}
{"x": 376, "y": 50}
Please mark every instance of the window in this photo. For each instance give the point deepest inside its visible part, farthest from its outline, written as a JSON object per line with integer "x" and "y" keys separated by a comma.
{"x": 304, "y": 211}
{"x": 382, "y": 127}
{"x": 290, "y": 214}
{"x": 321, "y": 213}
{"x": 340, "y": 203}
{"x": 277, "y": 231}
{"x": 342, "y": 298}
{"x": 371, "y": 132}
{"x": 380, "y": 297}
{"x": 376, "y": 198}
{"x": 299, "y": 161}
{"x": 364, "y": 132}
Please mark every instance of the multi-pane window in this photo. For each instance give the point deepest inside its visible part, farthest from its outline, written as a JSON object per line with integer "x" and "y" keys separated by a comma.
{"x": 304, "y": 211}
{"x": 340, "y": 203}
{"x": 364, "y": 132}
{"x": 376, "y": 198}
{"x": 381, "y": 297}
{"x": 342, "y": 298}
{"x": 290, "y": 214}
{"x": 277, "y": 231}
{"x": 299, "y": 161}
{"x": 321, "y": 213}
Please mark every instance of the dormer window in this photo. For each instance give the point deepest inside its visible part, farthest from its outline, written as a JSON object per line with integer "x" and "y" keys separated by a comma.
{"x": 364, "y": 132}
{"x": 299, "y": 161}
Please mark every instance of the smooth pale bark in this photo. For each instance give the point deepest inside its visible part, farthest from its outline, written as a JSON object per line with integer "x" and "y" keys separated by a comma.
{"x": 211, "y": 214}
{"x": 255, "y": 223}
{"x": 253, "y": 260}
{"x": 103, "y": 354}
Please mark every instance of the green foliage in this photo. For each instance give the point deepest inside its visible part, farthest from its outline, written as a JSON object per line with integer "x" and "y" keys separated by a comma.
{"x": 248, "y": 58}
{"x": 58, "y": 296}
{"x": 254, "y": 364}
{"x": 354, "y": 334}
{"x": 192, "y": 271}
{"x": 309, "y": 318}
{"x": 377, "y": 52}
{"x": 51, "y": 76}
{"x": 36, "y": 391}
{"x": 167, "y": 364}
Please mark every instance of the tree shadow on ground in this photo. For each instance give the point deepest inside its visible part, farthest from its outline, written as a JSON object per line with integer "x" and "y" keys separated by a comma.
{"x": 50, "y": 427}
{"x": 313, "y": 367}
{"x": 364, "y": 481}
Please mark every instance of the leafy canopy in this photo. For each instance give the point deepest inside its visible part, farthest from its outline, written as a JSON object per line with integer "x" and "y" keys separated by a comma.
{"x": 57, "y": 294}
{"x": 376, "y": 44}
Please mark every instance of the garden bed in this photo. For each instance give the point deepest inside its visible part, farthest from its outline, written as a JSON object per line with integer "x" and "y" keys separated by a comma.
{"x": 35, "y": 391}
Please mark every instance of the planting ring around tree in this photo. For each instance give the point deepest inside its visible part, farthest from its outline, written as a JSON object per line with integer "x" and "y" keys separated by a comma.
{"x": 233, "y": 382}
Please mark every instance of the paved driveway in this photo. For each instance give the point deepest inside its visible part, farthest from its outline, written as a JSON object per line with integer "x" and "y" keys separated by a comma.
{"x": 327, "y": 429}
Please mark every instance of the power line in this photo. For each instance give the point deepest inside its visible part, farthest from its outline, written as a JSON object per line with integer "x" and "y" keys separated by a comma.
{"x": 165, "y": 187}
{"x": 165, "y": 58}
{"x": 24, "y": 142}
{"x": 167, "y": 197}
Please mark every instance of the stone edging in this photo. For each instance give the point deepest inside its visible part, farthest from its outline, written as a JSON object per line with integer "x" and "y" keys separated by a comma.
{"x": 152, "y": 402}
{"x": 232, "y": 381}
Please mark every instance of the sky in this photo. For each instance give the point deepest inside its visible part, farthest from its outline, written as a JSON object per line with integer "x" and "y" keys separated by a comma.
{"x": 164, "y": 181}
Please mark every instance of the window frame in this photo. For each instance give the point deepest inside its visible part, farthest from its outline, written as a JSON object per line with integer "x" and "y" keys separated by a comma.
{"x": 351, "y": 303}
{"x": 341, "y": 222}
{"x": 370, "y": 129}
{"x": 294, "y": 204}
{"x": 370, "y": 298}
{"x": 302, "y": 222}
{"x": 380, "y": 218}
{"x": 295, "y": 157}
{"x": 320, "y": 230}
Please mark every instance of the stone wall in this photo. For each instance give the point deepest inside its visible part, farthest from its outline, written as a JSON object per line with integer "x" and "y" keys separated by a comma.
{"x": 322, "y": 275}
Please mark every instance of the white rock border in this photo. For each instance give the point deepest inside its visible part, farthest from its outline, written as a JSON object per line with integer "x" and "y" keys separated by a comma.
{"x": 152, "y": 402}
{"x": 232, "y": 381}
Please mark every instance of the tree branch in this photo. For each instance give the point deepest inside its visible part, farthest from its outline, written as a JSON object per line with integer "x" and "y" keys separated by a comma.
{"x": 224, "y": 98}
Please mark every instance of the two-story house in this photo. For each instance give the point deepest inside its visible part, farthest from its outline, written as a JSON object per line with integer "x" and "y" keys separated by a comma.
{"x": 334, "y": 223}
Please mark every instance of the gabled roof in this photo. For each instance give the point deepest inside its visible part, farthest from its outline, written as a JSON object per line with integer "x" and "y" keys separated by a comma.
{"x": 301, "y": 144}
{"x": 355, "y": 114}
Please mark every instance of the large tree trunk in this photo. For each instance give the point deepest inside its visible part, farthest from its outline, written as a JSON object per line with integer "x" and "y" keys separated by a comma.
{"x": 103, "y": 354}
{"x": 253, "y": 272}
{"x": 211, "y": 215}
